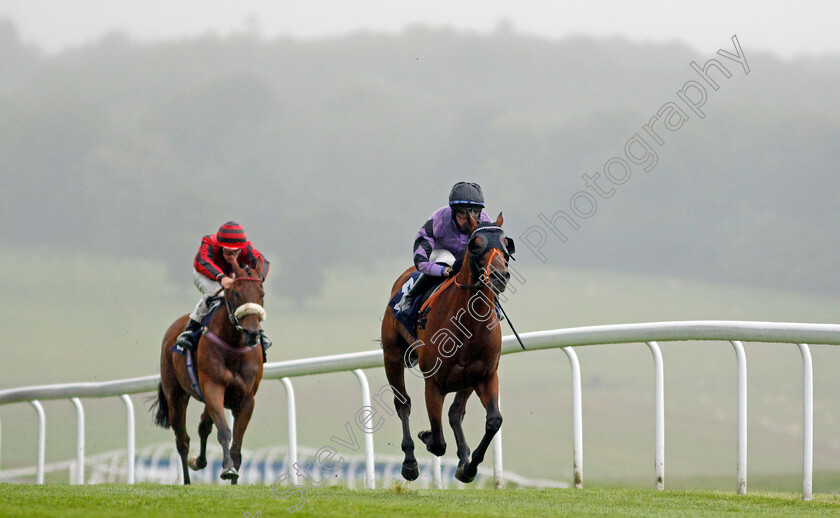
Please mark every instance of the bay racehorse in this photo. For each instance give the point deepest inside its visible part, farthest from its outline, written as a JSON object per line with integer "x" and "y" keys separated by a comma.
{"x": 229, "y": 369}
{"x": 457, "y": 349}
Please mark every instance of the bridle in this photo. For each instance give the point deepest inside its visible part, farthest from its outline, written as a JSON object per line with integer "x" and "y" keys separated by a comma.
{"x": 500, "y": 245}
{"x": 496, "y": 242}
{"x": 248, "y": 308}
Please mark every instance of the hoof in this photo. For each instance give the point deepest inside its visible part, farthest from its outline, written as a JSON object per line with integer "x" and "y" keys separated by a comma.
{"x": 438, "y": 450}
{"x": 425, "y": 436}
{"x": 410, "y": 471}
{"x": 462, "y": 476}
{"x": 230, "y": 474}
{"x": 195, "y": 464}
{"x": 435, "y": 449}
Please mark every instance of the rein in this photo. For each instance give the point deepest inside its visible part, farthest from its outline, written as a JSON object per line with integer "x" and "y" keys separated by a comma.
{"x": 484, "y": 280}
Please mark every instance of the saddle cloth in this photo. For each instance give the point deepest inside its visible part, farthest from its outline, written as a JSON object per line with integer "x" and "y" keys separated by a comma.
{"x": 214, "y": 304}
{"x": 192, "y": 372}
{"x": 407, "y": 314}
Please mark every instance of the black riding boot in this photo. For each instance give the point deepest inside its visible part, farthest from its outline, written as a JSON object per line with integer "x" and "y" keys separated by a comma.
{"x": 421, "y": 285}
{"x": 185, "y": 338}
{"x": 266, "y": 342}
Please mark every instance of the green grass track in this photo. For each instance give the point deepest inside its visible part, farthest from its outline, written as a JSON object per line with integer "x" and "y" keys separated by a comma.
{"x": 113, "y": 500}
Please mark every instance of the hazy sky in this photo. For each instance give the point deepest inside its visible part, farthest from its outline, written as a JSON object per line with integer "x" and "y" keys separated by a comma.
{"x": 786, "y": 28}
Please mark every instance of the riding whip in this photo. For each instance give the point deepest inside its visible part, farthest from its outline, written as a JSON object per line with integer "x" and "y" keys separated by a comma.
{"x": 511, "y": 327}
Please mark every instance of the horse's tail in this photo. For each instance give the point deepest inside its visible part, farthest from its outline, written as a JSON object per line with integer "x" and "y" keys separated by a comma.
{"x": 161, "y": 408}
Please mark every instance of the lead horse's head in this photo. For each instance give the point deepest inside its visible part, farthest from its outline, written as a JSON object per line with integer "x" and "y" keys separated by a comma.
{"x": 490, "y": 251}
{"x": 245, "y": 302}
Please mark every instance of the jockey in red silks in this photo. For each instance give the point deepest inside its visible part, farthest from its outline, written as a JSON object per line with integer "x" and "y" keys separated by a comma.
{"x": 442, "y": 242}
{"x": 212, "y": 272}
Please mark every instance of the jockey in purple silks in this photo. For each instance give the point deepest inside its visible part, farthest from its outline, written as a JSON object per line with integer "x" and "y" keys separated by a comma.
{"x": 442, "y": 241}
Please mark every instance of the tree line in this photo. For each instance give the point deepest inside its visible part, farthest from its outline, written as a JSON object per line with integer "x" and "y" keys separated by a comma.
{"x": 336, "y": 151}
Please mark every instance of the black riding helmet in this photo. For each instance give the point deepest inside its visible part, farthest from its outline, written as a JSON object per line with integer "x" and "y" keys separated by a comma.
{"x": 466, "y": 193}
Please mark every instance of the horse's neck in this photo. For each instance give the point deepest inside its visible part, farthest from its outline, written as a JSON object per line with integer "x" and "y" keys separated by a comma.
{"x": 221, "y": 325}
{"x": 464, "y": 297}
{"x": 465, "y": 276}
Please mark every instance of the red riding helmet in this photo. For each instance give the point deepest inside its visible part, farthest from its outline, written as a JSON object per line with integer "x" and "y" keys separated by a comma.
{"x": 231, "y": 235}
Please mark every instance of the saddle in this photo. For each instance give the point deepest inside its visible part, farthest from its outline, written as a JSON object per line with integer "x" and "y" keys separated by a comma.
{"x": 413, "y": 315}
{"x": 409, "y": 314}
{"x": 214, "y": 303}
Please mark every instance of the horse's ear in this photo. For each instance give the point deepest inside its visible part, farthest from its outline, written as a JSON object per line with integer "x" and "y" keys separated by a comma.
{"x": 500, "y": 220}
{"x": 472, "y": 223}
{"x": 260, "y": 265}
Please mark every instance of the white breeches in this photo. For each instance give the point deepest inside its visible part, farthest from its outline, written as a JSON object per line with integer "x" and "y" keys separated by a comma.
{"x": 208, "y": 288}
{"x": 442, "y": 256}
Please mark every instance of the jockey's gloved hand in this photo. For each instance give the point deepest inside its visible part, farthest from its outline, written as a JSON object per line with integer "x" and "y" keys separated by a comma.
{"x": 456, "y": 267}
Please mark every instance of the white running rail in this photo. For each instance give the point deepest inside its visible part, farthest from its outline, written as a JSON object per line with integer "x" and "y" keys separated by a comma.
{"x": 735, "y": 332}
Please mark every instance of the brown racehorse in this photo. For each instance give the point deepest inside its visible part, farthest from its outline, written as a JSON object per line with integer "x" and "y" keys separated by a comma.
{"x": 457, "y": 350}
{"x": 229, "y": 365}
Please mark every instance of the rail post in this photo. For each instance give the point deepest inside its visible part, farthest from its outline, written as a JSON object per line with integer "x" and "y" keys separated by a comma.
{"x": 129, "y": 440}
{"x": 659, "y": 412}
{"x": 807, "y": 422}
{"x": 370, "y": 473}
{"x": 292, "y": 427}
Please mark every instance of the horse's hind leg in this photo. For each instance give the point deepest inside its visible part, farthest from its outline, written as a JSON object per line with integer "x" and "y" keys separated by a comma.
{"x": 178, "y": 400}
{"x": 456, "y": 417}
{"x": 241, "y": 417}
{"x": 488, "y": 392}
{"x": 395, "y": 371}
{"x": 434, "y": 406}
{"x": 205, "y": 426}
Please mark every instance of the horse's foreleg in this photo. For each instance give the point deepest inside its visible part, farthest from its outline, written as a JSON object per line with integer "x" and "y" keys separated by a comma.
{"x": 214, "y": 400}
{"x": 178, "y": 418}
{"x": 205, "y": 426}
{"x": 434, "y": 406}
{"x": 241, "y": 417}
{"x": 488, "y": 392}
{"x": 456, "y": 417}
{"x": 395, "y": 372}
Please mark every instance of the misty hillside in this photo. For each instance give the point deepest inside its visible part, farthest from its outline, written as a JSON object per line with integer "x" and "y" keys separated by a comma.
{"x": 337, "y": 150}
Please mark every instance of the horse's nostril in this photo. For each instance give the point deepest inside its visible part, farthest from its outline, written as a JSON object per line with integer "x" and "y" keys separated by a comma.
{"x": 250, "y": 337}
{"x": 501, "y": 277}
